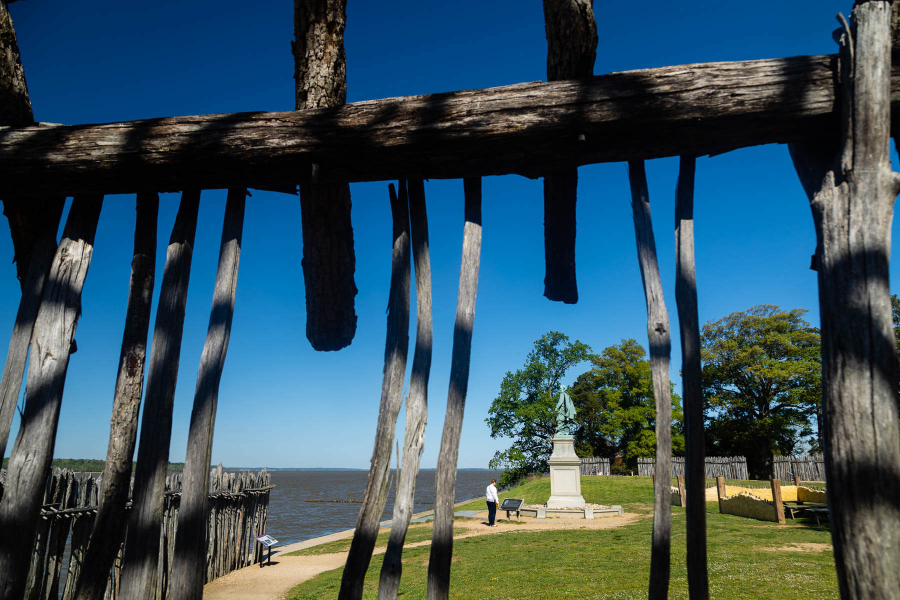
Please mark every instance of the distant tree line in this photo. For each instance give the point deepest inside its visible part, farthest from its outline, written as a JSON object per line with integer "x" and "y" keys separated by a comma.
{"x": 89, "y": 465}
{"x": 762, "y": 388}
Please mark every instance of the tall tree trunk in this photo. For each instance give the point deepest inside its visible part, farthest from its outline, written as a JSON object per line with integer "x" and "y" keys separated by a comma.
{"x": 445, "y": 477}
{"x": 329, "y": 261}
{"x": 689, "y": 322}
{"x": 660, "y": 349}
{"x": 571, "y": 50}
{"x": 191, "y": 544}
{"x": 396, "y": 349}
{"x": 139, "y": 568}
{"x": 852, "y": 192}
{"x": 109, "y": 523}
{"x": 416, "y": 402}
{"x": 54, "y": 332}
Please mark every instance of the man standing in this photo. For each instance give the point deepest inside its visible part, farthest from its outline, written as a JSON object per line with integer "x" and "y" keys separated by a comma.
{"x": 492, "y": 502}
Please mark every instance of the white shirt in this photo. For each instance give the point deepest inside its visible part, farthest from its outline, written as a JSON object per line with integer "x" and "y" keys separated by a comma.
{"x": 491, "y": 494}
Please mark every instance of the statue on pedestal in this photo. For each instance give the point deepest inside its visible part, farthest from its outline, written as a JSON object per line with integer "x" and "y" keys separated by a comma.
{"x": 565, "y": 414}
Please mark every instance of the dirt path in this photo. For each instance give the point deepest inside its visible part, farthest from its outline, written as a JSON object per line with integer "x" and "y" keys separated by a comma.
{"x": 273, "y": 582}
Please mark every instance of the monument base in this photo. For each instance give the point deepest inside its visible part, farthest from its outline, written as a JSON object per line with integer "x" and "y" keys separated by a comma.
{"x": 565, "y": 475}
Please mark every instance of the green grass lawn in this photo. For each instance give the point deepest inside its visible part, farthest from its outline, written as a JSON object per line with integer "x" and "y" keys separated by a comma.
{"x": 747, "y": 558}
{"x": 416, "y": 533}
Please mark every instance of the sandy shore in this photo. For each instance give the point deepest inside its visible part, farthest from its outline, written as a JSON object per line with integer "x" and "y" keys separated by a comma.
{"x": 273, "y": 582}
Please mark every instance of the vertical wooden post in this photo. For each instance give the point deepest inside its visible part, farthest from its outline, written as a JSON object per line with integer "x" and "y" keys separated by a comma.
{"x": 681, "y": 492}
{"x": 445, "y": 477}
{"x": 720, "y": 490}
{"x": 329, "y": 262}
{"x": 660, "y": 349}
{"x": 776, "y": 500}
{"x": 416, "y": 401}
{"x": 29, "y": 462}
{"x": 852, "y": 190}
{"x": 139, "y": 569}
{"x": 33, "y": 223}
{"x": 109, "y": 524}
{"x": 395, "y": 355}
{"x": 571, "y": 50}
{"x": 797, "y": 481}
{"x": 191, "y": 543}
{"x": 689, "y": 324}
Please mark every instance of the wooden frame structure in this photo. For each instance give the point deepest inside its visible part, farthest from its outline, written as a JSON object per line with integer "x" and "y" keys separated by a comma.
{"x": 834, "y": 110}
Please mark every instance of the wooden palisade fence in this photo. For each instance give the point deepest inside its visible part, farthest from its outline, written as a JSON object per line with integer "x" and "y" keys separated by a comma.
{"x": 807, "y": 468}
{"x": 595, "y": 466}
{"x": 730, "y": 467}
{"x": 238, "y": 507}
{"x": 833, "y": 110}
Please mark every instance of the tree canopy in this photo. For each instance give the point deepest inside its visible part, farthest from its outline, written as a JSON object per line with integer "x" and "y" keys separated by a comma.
{"x": 616, "y": 407}
{"x": 762, "y": 384}
{"x": 525, "y": 408}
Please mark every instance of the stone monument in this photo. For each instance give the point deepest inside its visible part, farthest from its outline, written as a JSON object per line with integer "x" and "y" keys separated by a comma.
{"x": 565, "y": 466}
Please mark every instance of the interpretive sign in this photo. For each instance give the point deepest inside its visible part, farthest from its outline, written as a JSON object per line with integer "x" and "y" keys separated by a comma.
{"x": 512, "y": 504}
{"x": 266, "y": 540}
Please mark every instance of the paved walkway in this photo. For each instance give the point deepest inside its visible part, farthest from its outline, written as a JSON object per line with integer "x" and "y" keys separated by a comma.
{"x": 273, "y": 582}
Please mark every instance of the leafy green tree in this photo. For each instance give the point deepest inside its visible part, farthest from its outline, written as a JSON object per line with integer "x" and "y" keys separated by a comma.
{"x": 525, "y": 408}
{"x": 762, "y": 384}
{"x": 616, "y": 410}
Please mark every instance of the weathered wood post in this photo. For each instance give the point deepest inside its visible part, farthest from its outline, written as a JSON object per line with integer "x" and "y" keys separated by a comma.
{"x": 395, "y": 355}
{"x": 571, "y": 50}
{"x": 689, "y": 324}
{"x": 33, "y": 223}
{"x": 416, "y": 401}
{"x": 720, "y": 490}
{"x": 681, "y": 492}
{"x": 191, "y": 543}
{"x": 660, "y": 349}
{"x": 139, "y": 568}
{"x": 852, "y": 190}
{"x": 109, "y": 524}
{"x": 445, "y": 477}
{"x": 329, "y": 261}
{"x": 797, "y": 480}
{"x": 54, "y": 332}
{"x": 776, "y": 499}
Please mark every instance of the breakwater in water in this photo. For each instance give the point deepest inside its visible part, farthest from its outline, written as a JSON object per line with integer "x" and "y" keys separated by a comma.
{"x": 309, "y": 504}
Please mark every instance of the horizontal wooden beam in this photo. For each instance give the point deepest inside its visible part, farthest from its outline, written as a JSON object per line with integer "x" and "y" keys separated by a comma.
{"x": 529, "y": 129}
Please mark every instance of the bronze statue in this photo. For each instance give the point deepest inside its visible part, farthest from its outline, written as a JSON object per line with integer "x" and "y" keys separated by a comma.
{"x": 565, "y": 414}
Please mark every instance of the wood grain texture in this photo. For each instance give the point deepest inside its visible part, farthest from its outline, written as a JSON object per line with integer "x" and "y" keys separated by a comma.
{"x": 396, "y": 349}
{"x": 54, "y": 330}
{"x": 139, "y": 571}
{"x": 445, "y": 476}
{"x": 15, "y": 106}
{"x": 571, "y": 50}
{"x": 32, "y": 291}
{"x": 109, "y": 525}
{"x": 416, "y": 401}
{"x": 329, "y": 260}
{"x": 852, "y": 190}
{"x": 530, "y": 129}
{"x": 660, "y": 349}
{"x": 689, "y": 327}
{"x": 191, "y": 544}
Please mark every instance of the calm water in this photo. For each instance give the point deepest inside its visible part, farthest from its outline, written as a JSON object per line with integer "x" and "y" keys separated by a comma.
{"x": 294, "y": 518}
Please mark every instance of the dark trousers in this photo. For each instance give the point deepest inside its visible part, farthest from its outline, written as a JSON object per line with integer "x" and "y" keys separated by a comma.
{"x": 492, "y": 512}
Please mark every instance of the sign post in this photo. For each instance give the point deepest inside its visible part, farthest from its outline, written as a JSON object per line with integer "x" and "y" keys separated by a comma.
{"x": 268, "y": 541}
{"x": 512, "y": 504}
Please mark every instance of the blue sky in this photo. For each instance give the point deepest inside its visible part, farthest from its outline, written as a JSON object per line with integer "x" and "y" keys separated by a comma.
{"x": 284, "y": 405}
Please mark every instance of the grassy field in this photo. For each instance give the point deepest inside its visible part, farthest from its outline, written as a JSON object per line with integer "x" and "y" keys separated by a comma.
{"x": 417, "y": 532}
{"x": 747, "y": 558}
